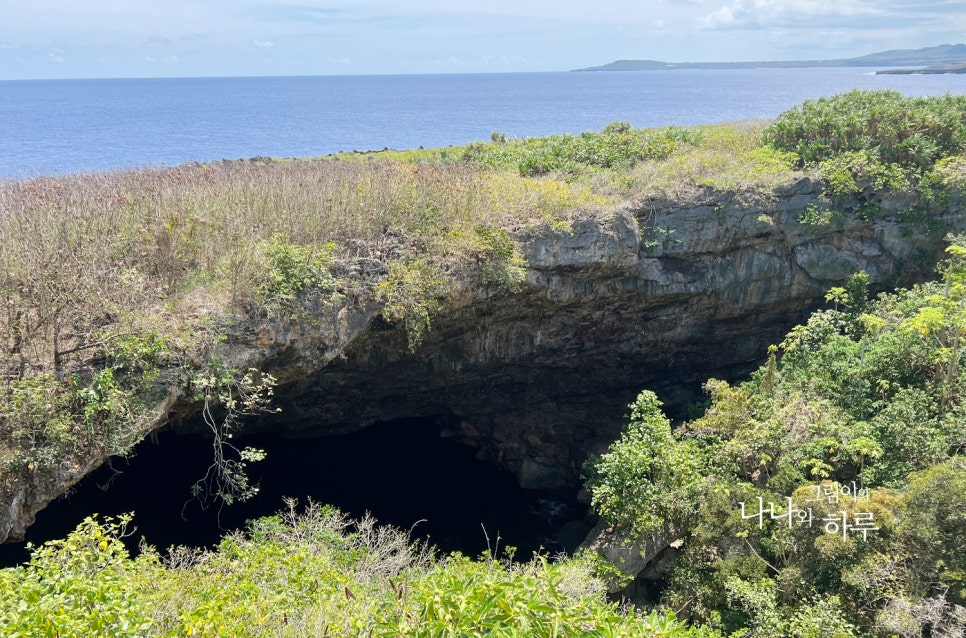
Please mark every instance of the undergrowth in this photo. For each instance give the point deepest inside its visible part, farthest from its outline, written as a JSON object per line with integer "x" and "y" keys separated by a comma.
{"x": 314, "y": 573}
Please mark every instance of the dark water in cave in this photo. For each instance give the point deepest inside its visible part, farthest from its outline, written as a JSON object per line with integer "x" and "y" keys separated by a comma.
{"x": 402, "y": 472}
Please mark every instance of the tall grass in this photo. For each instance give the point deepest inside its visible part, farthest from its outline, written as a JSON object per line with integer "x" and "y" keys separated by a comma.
{"x": 83, "y": 252}
{"x": 173, "y": 256}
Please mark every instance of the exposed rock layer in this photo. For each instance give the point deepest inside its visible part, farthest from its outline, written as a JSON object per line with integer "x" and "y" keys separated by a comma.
{"x": 661, "y": 296}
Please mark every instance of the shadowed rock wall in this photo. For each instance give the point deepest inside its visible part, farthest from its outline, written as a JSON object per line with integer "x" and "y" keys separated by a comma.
{"x": 659, "y": 296}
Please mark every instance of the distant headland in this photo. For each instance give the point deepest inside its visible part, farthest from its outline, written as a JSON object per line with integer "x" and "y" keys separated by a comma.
{"x": 945, "y": 58}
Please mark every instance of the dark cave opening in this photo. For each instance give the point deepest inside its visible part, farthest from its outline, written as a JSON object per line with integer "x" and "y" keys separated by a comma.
{"x": 402, "y": 472}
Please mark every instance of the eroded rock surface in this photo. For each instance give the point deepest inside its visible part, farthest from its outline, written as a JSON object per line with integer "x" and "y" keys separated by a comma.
{"x": 659, "y": 296}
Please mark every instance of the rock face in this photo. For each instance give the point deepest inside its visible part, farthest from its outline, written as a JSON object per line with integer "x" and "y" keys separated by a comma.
{"x": 660, "y": 296}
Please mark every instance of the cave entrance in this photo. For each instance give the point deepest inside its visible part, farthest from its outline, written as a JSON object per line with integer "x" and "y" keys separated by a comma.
{"x": 402, "y": 472}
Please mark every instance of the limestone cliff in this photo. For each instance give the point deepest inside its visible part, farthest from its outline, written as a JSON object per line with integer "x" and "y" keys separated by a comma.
{"x": 659, "y": 295}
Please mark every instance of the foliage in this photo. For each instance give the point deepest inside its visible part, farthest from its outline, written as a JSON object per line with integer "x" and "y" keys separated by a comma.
{"x": 729, "y": 159}
{"x": 503, "y": 265}
{"x": 856, "y": 180}
{"x": 815, "y": 215}
{"x": 79, "y": 586}
{"x": 116, "y": 287}
{"x": 846, "y": 171}
{"x": 831, "y": 484}
{"x": 311, "y": 573}
{"x": 47, "y": 418}
{"x": 226, "y": 397}
{"x": 936, "y": 526}
{"x": 618, "y": 147}
{"x": 648, "y": 480}
{"x": 912, "y": 132}
{"x": 411, "y": 294}
{"x": 286, "y": 271}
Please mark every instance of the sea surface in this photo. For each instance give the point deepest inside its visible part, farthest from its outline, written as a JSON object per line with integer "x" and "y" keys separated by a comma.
{"x": 67, "y": 126}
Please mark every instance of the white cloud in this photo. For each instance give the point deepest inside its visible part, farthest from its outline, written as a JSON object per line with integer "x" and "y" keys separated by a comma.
{"x": 449, "y": 61}
{"x": 723, "y": 17}
{"x": 762, "y": 13}
{"x": 264, "y": 44}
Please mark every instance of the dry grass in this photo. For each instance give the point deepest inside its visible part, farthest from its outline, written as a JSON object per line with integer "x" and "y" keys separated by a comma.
{"x": 730, "y": 160}
{"x": 85, "y": 252}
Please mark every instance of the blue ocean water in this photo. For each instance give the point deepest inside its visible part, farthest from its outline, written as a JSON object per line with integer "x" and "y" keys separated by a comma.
{"x": 63, "y": 126}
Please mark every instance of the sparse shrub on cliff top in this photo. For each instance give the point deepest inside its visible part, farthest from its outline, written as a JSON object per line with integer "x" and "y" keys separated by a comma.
{"x": 617, "y": 147}
{"x": 728, "y": 158}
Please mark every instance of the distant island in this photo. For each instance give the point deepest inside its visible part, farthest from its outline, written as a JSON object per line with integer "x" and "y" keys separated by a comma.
{"x": 929, "y": 70}
{"x": 945, "y": 58}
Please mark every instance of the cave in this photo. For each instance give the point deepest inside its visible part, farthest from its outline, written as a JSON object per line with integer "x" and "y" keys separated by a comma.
{"x": 405, "y": 473}
{"x": 508, "y": 389}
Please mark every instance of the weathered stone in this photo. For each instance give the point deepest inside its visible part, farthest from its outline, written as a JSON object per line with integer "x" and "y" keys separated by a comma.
{"x": 632, "y": 556}
{"x": 659, "y": 296}
{"x": 535, "y": 475}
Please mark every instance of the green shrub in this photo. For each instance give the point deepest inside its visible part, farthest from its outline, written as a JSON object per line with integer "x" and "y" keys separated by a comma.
{"x": 913, "y": 132}
{"x": 868, "y": 397}
{"x": 815, "y": 215}
{"x": 648, "y": 480}
{"x": 503, "y": 265}
{"x": 84, "y": 585}
{"x": 411, "y": 295}
{"x": 289, "y": 270}
{"x": 310, "y": 574}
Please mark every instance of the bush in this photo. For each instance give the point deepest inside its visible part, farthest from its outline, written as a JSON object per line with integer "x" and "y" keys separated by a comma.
{"x": 286, "y": 271}
{"x": 858, "y": 422}
{"x": 310, "y": 574}
{"x": 648, "y": 480}
{"x": 913, "y": 132}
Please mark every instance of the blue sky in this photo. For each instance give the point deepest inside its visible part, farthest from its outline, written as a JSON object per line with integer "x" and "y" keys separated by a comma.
{"x": 149, "y": 38}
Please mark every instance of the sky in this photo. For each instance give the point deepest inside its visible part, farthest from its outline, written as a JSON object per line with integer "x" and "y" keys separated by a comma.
{"x": 41, "y": 39}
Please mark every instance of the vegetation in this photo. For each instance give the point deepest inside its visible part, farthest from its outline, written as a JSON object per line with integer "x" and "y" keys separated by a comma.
{"x": 169, "y": 262}
{"x": 867, "y": 145}
{"x": 825, "y": 495}
{"x": 314, "y": 573}
{"x": 118, "y": 289}
{"x": 895, "y": 129}
{"x": 121, "y": 292}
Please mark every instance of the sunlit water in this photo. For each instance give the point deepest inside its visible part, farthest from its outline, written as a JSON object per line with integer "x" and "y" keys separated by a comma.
{"x": 58, "y": 126}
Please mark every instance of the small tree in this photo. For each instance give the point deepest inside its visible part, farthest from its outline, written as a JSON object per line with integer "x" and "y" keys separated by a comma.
{"x": 648, "y": 480}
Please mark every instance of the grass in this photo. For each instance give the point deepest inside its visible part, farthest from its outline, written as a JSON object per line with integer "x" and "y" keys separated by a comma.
{"x": 730, "y": 160}
{"x": 188, "y": 254}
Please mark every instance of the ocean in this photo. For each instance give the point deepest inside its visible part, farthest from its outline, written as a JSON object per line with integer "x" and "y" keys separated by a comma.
{"x": 69, "y": 126}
